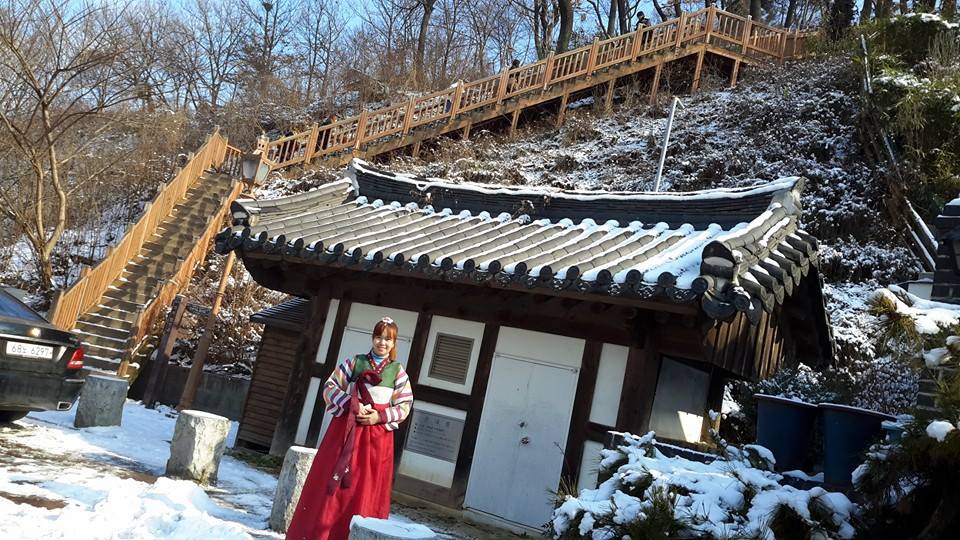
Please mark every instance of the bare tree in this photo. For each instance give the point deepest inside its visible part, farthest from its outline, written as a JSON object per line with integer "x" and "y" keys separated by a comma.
{"x": 426, "y": 11}
{"x": 319, "y": 32}
{"x": 60, "y": 74}
{"x": 212, "y": 46}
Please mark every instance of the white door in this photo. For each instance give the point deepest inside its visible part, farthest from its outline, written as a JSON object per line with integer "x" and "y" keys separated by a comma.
{"x": 523, "y": 433}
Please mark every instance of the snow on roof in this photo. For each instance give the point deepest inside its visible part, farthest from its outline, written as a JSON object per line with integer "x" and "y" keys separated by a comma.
{"x": 737, "y": 249}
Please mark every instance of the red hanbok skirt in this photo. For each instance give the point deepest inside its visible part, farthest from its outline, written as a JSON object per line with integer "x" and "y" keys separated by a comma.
{"x": 320, "y": 516}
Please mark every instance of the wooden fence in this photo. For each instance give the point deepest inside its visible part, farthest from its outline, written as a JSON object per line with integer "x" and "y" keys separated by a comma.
{"x": 87, "y": 291}
{"x": 739, "y": 35}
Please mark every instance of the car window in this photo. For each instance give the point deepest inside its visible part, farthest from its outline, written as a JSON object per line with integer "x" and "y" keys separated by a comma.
{"x": 11, "y": 307}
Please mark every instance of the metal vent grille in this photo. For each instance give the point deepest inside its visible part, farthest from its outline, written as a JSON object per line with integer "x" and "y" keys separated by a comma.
{"x": 451, "y": 358}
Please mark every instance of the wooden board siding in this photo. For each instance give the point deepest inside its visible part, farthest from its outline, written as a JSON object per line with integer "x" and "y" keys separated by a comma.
{"x": 749, "y": 350}
{"x": 268, "y": 386}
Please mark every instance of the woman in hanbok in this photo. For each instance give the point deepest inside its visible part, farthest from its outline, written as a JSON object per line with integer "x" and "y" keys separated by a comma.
{"x": 352, "y": 473}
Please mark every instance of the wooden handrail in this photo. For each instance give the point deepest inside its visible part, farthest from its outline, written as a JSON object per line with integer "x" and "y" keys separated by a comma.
{"x": 87, "y": 291}
{"x": 694, "y": 27}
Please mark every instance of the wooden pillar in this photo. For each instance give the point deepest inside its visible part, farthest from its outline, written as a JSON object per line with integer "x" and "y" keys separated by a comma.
{"x": 563, "y": 108}
{"x": 415, "y": 152}
{"x": 299, "y": 380}
{"x": 608, "y": 98}
{"x": 639, "y": 388}
{"x": 471, "y": 426}
{"x": 580, "y": 417}
{"x": 746, "y": 35}
{"x": 656, "y": 83}
{"x": 513, "y": 121}
{"x": 330, "y": 363}
{"x": 311, "y": 143}
{"x": 466, "y": 131}
{"x": 158, "y": 373}
{"x": 414, "y": 361}
{"x": 711, "y": 16}
{"x": 734, "y": 73}
{"x": 680, "y": 24}
{"x": 698, "y": 70}
{"x": 592, "y": 59}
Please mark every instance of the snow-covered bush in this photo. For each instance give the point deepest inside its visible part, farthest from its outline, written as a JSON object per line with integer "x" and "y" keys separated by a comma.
{"x": 645, "y": 494}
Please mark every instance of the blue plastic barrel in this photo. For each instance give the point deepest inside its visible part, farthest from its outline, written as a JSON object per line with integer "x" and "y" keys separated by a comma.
{"x": 785, "y": 426}
{"x": 847, "y": 433}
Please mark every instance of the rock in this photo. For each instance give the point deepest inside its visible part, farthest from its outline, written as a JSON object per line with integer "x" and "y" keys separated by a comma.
{"x": 101, "y": 401}
{"x": 293, "y": 474}
{"x": 199, "y": 440}
{"x": 362, "y": 528}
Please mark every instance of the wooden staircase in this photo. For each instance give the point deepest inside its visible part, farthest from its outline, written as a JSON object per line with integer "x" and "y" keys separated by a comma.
{"x": 113, "y": 306}
{"x": 550, "y": 81}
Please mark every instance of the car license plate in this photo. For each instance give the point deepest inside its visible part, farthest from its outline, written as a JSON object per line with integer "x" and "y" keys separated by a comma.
{"x": 29, "y": 350}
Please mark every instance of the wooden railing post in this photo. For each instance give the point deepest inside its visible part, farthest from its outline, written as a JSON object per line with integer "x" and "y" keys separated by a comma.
{"x": 783, "y": 44}
{"x": 311, "y": 143}
{"x": 746, "y": 34}
{"x": 637, "y": 41}
{"x": 548, "y": 70}
{"x": 361, "y": 126}
{"x": 680, "y": 24}
{"x": 408, "y": 117}
{"x": 457, "y": 94}
{"x": 711, "y": 16}
{"x": 502, "y": 87}
{"x": 592, "y": 61}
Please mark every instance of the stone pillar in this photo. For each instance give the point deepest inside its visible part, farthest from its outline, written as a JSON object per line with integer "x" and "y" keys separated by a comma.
{"x": 101, "y": 401}
{"x": 362, "y": 528}
{"x": 199, "y": 440}
{"x": 293, "y": 474}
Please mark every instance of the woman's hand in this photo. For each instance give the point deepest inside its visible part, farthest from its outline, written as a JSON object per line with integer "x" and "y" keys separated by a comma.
{"x": 368, "y": 418}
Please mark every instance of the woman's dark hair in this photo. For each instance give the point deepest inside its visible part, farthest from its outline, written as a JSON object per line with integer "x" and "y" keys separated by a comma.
{"x": 387, "y": 326}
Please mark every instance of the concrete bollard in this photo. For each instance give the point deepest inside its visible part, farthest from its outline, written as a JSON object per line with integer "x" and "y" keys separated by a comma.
{"x": 296, "y": 465}
{"x": 362, "y": 528}
{"x": 199, "y": 439}
{"x": 101, "y": 401}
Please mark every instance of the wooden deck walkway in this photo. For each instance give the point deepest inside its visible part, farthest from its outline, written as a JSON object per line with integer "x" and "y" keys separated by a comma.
{"x": 553, "y": 79}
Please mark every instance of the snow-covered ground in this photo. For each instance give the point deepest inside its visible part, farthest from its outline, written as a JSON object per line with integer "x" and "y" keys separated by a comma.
{"x": 59, "y": 482}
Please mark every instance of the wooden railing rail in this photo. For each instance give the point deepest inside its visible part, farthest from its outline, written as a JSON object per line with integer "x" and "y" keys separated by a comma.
{"x": 87, "y": 291}
{"x": 750, "y": 38}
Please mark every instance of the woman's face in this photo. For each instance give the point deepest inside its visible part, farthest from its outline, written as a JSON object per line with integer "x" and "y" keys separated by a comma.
{"x": 382, "y": 344}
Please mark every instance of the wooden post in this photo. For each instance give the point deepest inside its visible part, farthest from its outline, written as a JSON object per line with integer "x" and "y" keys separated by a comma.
{"x": 169, "y": 338}
{"x": 513, "y": 121}
{"x": 637, "y": 41}
{"x": 733, "y": 74}
{"x": 746, "y": 35}
{"x": 711, "y": 16}
{"x": 361, "y": 126}
{"x": 783, "y": 44}
{"x": 196, "y": 368}
{"x": 680, "y": 24}
{"x": 592, "y": 59}
{"x": 408, "y": 118}
{"x": 502, "y": 87}
{"x": 548, "y": 70}
{"x": 415, "y": 152}
{"x": 697, "y": 71}
{"x": 563, "y": 108}
{"x": 312, "y": 143}
{"x": 656, "y": 84}
{"x": 455, "y": 106}
{"x": 608, "y": 98}
{"x": 466, "y": 131}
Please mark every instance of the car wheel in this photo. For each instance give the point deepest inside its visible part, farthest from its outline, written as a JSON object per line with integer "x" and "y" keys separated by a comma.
{"x": 10, "y": 416}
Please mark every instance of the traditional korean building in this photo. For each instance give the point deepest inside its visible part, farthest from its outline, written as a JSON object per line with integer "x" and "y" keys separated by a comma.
{"x": 532, "y": 321}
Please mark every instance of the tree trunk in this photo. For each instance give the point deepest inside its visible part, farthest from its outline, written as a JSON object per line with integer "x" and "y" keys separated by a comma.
{"x": 660, "y": 12}
{"x": 755, "y": 9}
{"x": 791, "y": 13}
{"x": 948, "y": 8}
{"x": 566, "y": 25}
{"x": 422, "y": 40}
{"x": 866, "y": 11}
{"x": 841, "y": 16}
{"x": 904, "y": 8}
{"x": 624, "y": 22}
{"x": 677, "y": 8}
{"x": 611, "y": 18}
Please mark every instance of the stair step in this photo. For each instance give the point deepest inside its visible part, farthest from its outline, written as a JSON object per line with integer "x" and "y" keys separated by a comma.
{"x": 100, "y": 330}
{"x": 99, "y": 363}
{"x": 104, "y": 320}
{"x": 115, "y": 313}
{"x": 103, "y": 353}
{"x": 112, "y": 301}
{"x": 131, "y": 295}
{"x": 95, "y": 340}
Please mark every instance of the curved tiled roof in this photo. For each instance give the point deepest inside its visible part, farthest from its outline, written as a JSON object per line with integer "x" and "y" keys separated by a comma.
{"x": 732, "y": 249}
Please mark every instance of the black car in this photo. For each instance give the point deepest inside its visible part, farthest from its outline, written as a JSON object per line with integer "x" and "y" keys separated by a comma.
{"x": 40, "y": 364}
